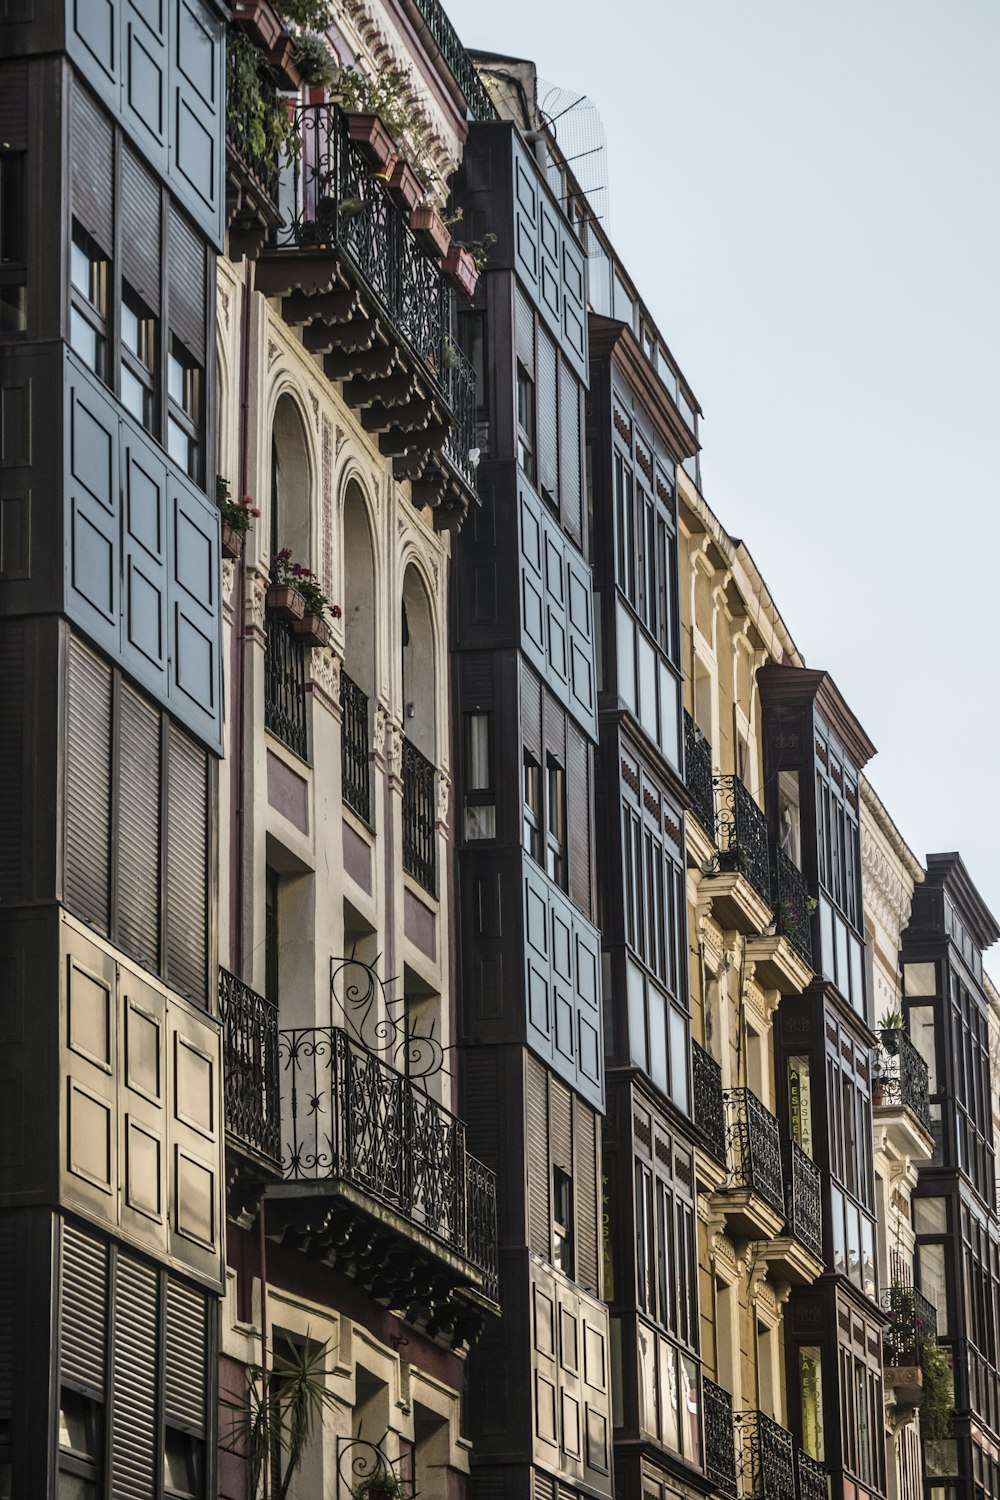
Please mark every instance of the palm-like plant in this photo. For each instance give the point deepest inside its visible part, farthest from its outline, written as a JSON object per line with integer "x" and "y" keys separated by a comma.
{"x": 277, "y": 1420}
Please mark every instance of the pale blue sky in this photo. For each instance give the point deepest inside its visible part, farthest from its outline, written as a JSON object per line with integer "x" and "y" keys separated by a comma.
{"x": 806, "y": 196}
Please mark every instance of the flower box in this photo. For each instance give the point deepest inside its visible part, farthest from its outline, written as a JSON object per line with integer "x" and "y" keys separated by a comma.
{"x": 258, "y": 19}
{"x": 460, "y": 265}
{"x": 281, "y": 56}
{"x": 432, "y": 233}
{"x": 314, "y": 630}
{"x": 286, "y": 601}
{"x": 372, "y": 140}
{"x": 405, "y": 187}
{"x": 232, "y": 539}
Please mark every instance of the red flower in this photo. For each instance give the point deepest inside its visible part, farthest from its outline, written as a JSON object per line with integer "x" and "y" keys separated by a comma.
{"x": 336, "y": 611}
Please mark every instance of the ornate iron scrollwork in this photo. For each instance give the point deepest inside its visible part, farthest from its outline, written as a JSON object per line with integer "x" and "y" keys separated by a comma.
{"x": 365, "y": 1472}
{"x": 370, "y": 1017}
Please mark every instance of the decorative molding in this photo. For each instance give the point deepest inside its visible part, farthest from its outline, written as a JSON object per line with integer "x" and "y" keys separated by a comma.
{"x": 327, "y": 538}
{"x": 314, "y": 403}
{"x": 443, "y": 792}
{"x": 324, "y": 669}
{"x": 228, "y": 578}
{"x": 224, "y": 299}
{"x": 256, "y": 595}
{"x": 273, "y": 350}
{"x": 885, "y": 892}
{"x": 394, "y": 749}
{"x": 379, "y": 727}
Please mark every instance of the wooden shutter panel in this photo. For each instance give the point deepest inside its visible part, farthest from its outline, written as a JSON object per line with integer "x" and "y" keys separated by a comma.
{"x": 578, "y": 820}
{"x": 588, "y": 1208}
{"x": 185, "y": 1356}
{"x": 87, "y": 878}
{"x": 141, "y": 240}
{"x": 548, "y": 409}
{"x": 571, "y": 489}
{"x": 138, "y": 847}
{"x": 524, "y": 331}
{"x": 134, "y": 1451}
{"x": 186, "y": 936}
{"x": 539, "y": 1170}
{"x": 92, "y": 178}
{"x": 186, "y": 314}
{"x": 83, "y": 1308}
{"x": 561, "y": 1126}
{"x": 531, "y": 711}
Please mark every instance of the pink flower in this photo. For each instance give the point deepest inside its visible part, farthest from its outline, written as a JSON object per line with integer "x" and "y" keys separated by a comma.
{"x": 336, "y": 611}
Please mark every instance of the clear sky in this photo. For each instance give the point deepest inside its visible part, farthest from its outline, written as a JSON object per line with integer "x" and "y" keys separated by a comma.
{"x": 806, "y": 195}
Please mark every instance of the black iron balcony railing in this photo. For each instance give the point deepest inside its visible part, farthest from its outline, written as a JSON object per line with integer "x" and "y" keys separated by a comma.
{"x": 766, "y": 1457}
{"x": 709, "y": 1104}
{"x": 899, "y": 1077}
{"x": 792, "y": 904}
{"x": 457, "y": 59}
{"x": 912, "y": 1319}
{"x": 803, "y": 1198}
{"x": 419, "y": 813}
{"x": 698, "y": 774}
{"x": 285, "y": 683}
{"x": 814, "y": 1482}
{"x": 742, "y": 834}
{"x": 250, "y": 1064}
{"x": 460, "y": 390}
{"x": 720, "y": 1447}
{"x": 354, "y": 1118}
{"x": 355, "y": 765}
{"x": 755, "y": 1148}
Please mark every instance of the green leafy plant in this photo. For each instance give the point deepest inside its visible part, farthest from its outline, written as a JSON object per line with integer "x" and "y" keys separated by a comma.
{"x": 284, "y": 569}
{"x": 311, "y": 13}
{"x": 892, "y": 1020}
{"x": 255, "y": 113}
{"x": 280, "y": 1414}
{"x": 384, "y": 95}
{"x": 381, "y": 1484}
{"x": 235, "y": 513}
{"x": 479, "y": 249}
{"x": 936, "y": 1408}
{"x": 316, "y": 63}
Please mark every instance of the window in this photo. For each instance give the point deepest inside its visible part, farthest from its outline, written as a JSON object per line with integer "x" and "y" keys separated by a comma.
{"x": 88, "y": 302}
{"x": 183, "y": 1464}
{"x": 80, "y": 1444}
{"x": 480, "y": 807}
{"x": 13, "y": 254}
{"x": 555, "y": 838}
{"x": 472, "y": 336}
{"x": 183, "y": 407}
{"x": 562, "y": 1221}
{"x": 526, "y": 422}
{"x": 138, "y": 359}
{"x": 271, "y": 936}
{"x": 532, "y": 834}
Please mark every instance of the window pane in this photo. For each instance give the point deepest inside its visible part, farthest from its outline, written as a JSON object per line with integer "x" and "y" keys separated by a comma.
{"x": 920, "y": 1019}
{"x": 920, "y": 979}
{"x": 478, "y": 747}
{"x": 930, "y": 1215}
{"x": 84, "y": 339}
{"x": 933, "y": 1284}
{"x": 81, "y": 271}
{"x": 134, "y": 395}
{"x": 179, "y": 445}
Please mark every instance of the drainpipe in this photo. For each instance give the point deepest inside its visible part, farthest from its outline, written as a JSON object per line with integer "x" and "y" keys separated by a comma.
{"x": 237, "y": 883}
{"x": 262, "y": 1249}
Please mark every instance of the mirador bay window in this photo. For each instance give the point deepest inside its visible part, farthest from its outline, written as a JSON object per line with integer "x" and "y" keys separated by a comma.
{"x": 852, "y": 1201}
{"x": 838, "y": 868}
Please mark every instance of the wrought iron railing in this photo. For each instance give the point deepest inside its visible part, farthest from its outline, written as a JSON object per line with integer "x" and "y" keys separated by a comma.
{"x": 720, "y": 1447}
{"x": 285, "y": 683}
{"x": 901, "y": 1075}
{"x": 250, "y": 1066}
{"x": 741, "y": 829}
{"x": 803, "y": 1198}
{"x": 709, "y": 1104}
{"x": 766, "y": 1457}
{"x": 340, "y": 205}
{"x": 792, "y": 903}
{"x": 419, "y": 814}
{"x": 457, "y": 59}
{"x": 352, "y": 1117}
{"x": 460, "y": 389}
{"x": 355, "y": 769}
{"x": 755, "y": 1148}
{"x": 814, "y": 1480}
{"x": 912, "y": 1319}
{"x": 265, "y": 170}
{"x": 698, "y": 774}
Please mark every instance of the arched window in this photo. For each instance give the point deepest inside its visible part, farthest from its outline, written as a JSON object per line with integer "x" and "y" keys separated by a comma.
{"x": 357, "y": 682}
{"x": 290, "y": 483}
{"x": 419, "y": 730}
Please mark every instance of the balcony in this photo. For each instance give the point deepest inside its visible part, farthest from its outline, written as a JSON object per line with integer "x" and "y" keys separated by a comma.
{"x": 814, "y": 1481}
{"x": 445, "y": 38}
{"x": 415, "y": 1215}
{"x": 252, "y": 187}
{"x": 796, "y": 1256}
{"x": 285, "y": 684}
{"x": 698, "y": 775}
{"x": 251, "y": 1098}
{"x": 352, "y": 276}
{"x": 720, "y": 1449}
{"x": 766, "y": 1457}
{"x": 793, "y": 905}
{"x": 912, "y": 1320}
{"x": 753, "y": 1198}
{"x": 709, "y": 1103}
{"x": 741, "y": 888}
{"x": 355, "y": 766}
{"x": 900, "y": 1097}
{"x": 419, "y": 817}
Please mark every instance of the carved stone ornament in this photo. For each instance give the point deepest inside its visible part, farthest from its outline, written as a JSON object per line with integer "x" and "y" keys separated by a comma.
{"x": 256, "y": 596}
{"x": 443, "y": 789}
{"x": 378, "y": 729}
{"x": 228, "y": 575}
{"x": 325, "y": 668}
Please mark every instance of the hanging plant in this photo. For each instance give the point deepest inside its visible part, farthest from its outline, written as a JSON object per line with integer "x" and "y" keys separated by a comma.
{"x": 936, "y": 1409}
{"x": 255, "y": 114}
{"x": 384, "y": 95}
{"x": 316, "y": 63}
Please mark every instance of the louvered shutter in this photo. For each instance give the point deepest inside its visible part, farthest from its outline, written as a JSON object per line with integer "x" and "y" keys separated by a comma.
{"x": 92, "y": 178}
{"x": 134, "y": 1449}
{"x": 138, "y": 847}
{"x": 524, "y": 331}
{"x": 539, "y": 1170}
{"x": 87, "y": 877}
{"x": 83, "y": 1306}
{"x": 531, "y": 711}
{"x": 570, "y": 483}
{"x": 141, "y": 240}
{"x": 588, "y": 1207}
{"x": 578, "y": 819}
{"x": 548, "y": 405}
{"x": 185, "y": 1357}
{"x": 186, "y": 937}
{"x": 186, "y": 281}
{"x": 561, "y": 1126}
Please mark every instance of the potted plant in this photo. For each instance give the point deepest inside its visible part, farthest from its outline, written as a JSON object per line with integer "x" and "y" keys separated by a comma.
{"x": 314, "y": 60}
{"x": 936, "y": 1409}
{"x": 891, "y": 1026}
{"x": 431, "y": 232}
{"x": 256, "y": 116}
{"x": 460, "y": 265}
{"x": 283, "y": 595}
{"x": 317, "y": 606}
{"x": 259, "y": 20}
{"x": 405, "y": 187}
{"x": 376, "y": 112}
{"x": 236, "y": 516}
{"x": 381, "y": 1484}
{"x": 273, "y": 1425}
